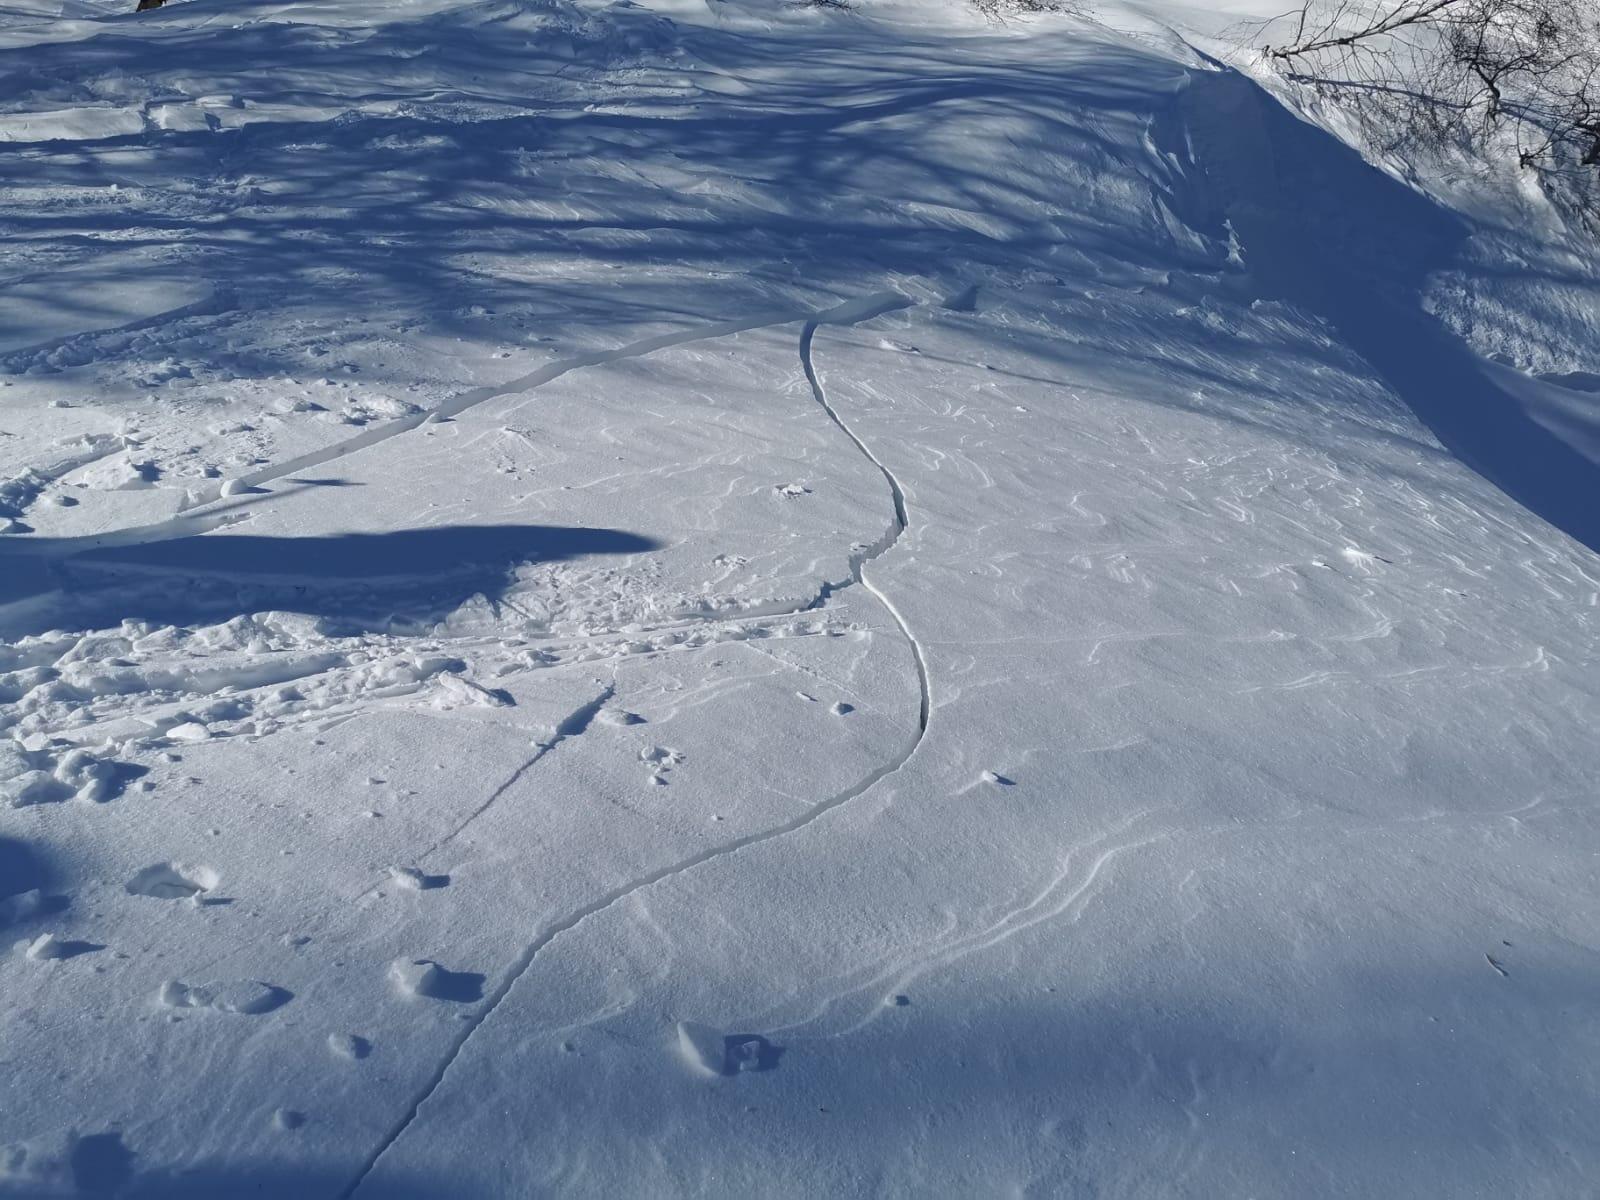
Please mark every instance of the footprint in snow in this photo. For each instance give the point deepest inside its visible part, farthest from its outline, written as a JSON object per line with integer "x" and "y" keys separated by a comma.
{"x": 412, "y": 879}
{"x": 712, "y": 1052}
{"x": 173, "y": 881}
{"x": 249, "y": 997}
{"x": 348, "y": 1045}
{"x": 423, "y": 977}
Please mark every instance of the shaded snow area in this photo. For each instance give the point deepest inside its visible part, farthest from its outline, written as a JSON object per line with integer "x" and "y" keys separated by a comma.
{"x": 739, "y": 599}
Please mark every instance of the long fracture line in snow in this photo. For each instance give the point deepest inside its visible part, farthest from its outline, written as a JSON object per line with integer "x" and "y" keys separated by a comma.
{"x": 572, "y": 725}
{"x": 459, "y": 403}
{"x": 845, "y": 314}
{"x": 859, "y": 560}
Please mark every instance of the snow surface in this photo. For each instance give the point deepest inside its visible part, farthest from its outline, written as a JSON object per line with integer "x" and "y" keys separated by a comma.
{"x": 737, "y": 599}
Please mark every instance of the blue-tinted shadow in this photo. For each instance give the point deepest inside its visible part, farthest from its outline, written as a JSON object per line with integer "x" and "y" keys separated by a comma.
{"x": 356, "y": 581}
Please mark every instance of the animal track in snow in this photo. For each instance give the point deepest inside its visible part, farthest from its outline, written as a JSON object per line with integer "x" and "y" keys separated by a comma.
{"x": 660, "y": 760}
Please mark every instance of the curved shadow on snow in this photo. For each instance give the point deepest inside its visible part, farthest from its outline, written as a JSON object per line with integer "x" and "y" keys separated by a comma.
{"x": 21, "y": 868}
{"x": 1325, "y": 230}
{"x": 113, "y": 1164}
{"x": 360, "y": 580}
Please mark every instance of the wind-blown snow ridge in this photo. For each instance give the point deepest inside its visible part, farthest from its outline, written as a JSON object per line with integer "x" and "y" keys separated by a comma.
{"x": 849, "y": 313}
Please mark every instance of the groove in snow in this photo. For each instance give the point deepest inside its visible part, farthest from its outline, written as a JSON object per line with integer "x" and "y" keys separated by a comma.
{"x": 849, "y": 313}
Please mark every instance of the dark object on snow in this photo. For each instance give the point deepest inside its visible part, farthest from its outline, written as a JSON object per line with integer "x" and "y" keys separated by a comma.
{"x": 144, "y": 4}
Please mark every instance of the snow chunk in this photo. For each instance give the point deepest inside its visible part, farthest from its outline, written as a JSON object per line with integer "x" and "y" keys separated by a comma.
{"x": 416, "y": 977}
{"x": 454, "y": 691}
{"x": 45, "y": 947}
{"x": 38, "y": 778}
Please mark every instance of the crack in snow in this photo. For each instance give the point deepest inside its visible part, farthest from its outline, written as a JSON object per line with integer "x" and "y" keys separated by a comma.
{"x": 462, "y": 401}
{"x": 572, "y": 725}
{"x": 849, "y": 313}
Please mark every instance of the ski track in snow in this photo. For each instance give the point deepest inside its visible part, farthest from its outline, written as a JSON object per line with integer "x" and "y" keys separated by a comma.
{"x": 849, "y": 313}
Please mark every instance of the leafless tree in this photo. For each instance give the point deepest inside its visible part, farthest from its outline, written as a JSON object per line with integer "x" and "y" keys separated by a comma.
{"x": 1529, "y": 68}
{"x": 999, "y": 10}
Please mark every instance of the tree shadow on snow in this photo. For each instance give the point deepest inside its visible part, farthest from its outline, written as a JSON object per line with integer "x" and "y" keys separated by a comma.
{"x": 445, "y": 220}
{"x": 354, "y": 580}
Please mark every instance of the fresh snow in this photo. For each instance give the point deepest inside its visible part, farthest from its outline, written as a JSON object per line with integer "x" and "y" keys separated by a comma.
{"x": 742, "y": 599}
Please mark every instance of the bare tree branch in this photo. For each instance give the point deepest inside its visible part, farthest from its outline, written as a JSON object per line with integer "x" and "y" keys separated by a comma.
{"x": 1461, "y": 69}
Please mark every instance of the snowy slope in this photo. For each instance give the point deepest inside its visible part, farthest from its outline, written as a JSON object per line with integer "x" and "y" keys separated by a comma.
{"x": 738, "y": 599}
